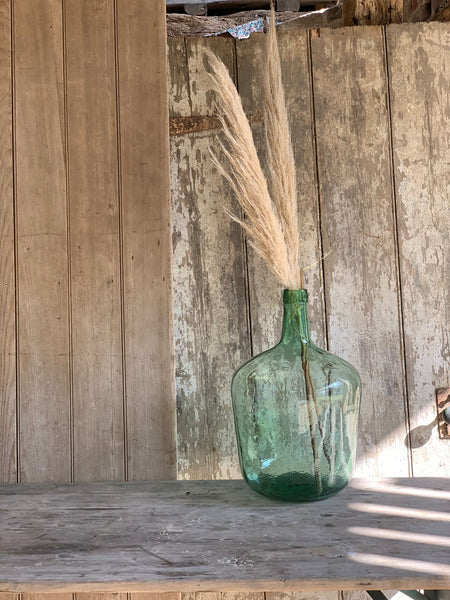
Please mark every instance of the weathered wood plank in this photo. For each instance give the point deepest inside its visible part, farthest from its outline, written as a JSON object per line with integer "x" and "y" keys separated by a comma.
{"x": 8, "y": 466}
{"x": 178, "y": 78}
{"x": 182, "y": 25}
{"x": 96, "y": 276}
{"x": 94, "y": 241}
{"x": 144, "y": 158}
{"x": 211, "y": 338}
{"x": 101, "y": 596}
{"x": 157, "y": 596}
{"x": 220, "y": 536}
{"x": 200, "y": 96}
{"x": 265, "y": 292}
{"x": 357, "y": 222}
{"x": 43, "y": 323}
{"x": 420, "y": 100}
{"x": 45, "y": 596}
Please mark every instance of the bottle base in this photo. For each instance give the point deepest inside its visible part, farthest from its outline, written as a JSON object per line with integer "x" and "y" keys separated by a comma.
{"x": 297, "y": 487}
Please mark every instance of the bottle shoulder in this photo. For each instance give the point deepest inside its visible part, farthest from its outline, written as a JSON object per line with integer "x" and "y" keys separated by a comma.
{"x": 315, "y": 353}
{"x": 290, "y": 356}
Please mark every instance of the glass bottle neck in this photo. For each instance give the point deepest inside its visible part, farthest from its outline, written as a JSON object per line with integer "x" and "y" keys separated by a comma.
{"x": 295, "y": 317}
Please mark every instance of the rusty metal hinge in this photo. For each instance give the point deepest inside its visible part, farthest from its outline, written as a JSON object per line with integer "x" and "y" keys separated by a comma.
{"x": 443, "y": 409}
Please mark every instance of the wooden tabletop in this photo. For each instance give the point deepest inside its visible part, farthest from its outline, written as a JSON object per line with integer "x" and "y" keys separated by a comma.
{"x": 220, "y": 535}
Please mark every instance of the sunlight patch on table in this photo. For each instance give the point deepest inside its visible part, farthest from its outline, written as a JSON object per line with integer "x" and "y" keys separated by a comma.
{"x": 402, "y": 536}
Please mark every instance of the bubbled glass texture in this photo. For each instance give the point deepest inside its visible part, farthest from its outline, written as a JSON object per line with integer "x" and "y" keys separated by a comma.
{"x": 296, "y": 412}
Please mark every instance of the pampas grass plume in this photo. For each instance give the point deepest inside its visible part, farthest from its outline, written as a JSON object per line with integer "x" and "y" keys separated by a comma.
{"x": 270, "y": 209}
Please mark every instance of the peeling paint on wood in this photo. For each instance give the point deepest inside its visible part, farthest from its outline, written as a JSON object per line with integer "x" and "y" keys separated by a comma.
{"x": 209, "y": 284}
{"x": 350, "y": 91}
{"x": 210, "y": 269}
{"x": 209, "y": 311}
{"x": 419, "y": 61}
{"x": 209, "y": 293}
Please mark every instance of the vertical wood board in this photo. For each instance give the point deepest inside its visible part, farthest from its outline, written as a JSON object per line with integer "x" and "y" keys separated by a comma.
{"x": 209, "y": 313}
{"x": 41, "y": 242}
{"x": 419, "y": 65}
{"x": 209, "y": 292}
{"x": 146, "y": 252}
{"x": 94, "y": 241}
{"x": 41, "y": 239}
{"x": 8, "y": 466}
{"x": 146, "y": 248}
{"x": 350, "y": 96}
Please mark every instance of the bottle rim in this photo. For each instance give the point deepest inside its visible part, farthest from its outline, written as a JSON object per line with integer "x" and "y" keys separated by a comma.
{"x": 295, "y": 296}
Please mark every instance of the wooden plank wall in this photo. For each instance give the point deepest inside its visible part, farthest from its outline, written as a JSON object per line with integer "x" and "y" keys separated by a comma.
{"x": 86, "y": 352}
{"x": 85, "y": 242}
{"x": 370, "y": 116}
{"x": 85, "y": 238}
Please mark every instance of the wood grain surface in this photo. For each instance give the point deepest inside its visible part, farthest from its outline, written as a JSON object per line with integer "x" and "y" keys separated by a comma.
{"x": 343, "y": 111}
{"x": 94, "y": 241}
{"x": 8, "y": 446}
{"x": 84, "y": 246}
{"x": 354, "y": 170}
{"x": 8, "y": 433}
{"x": 210, "y": 310}
{"x": 420, "y": 92}
{"x": 41, "y": 237}
{"x": 95, "y": 270}
{"x": 218, "y": 536}
{"x": 42, "y": 280}
{"x": 211, "y": 337}
{"x": 146, "y": 242}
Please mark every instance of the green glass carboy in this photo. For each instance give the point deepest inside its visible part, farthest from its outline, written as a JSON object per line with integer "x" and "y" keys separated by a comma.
{"x": 296, "y": 410}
